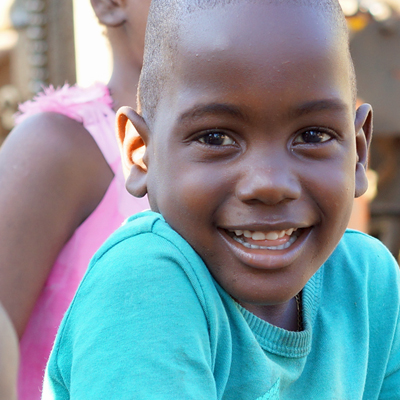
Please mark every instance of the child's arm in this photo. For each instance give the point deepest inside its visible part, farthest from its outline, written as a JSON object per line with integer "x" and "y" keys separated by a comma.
{"x": 52, "y": 176}
{"x": 8, "y": 358}
{"x": 137, "y": 328}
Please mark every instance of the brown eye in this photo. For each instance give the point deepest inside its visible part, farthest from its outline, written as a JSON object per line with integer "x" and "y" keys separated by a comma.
{"x": 312, "y": 136}
{"x": 215, "y": 138}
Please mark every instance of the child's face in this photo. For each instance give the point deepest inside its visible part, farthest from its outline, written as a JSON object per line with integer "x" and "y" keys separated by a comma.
{"x": 256, "y": 136}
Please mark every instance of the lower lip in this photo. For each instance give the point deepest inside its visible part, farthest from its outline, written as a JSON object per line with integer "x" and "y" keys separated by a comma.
{"x": 266, "y": 259}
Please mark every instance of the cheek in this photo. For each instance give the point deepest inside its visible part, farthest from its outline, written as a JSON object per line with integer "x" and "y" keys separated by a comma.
{"x": 190, "y": 191}
{"x": 334, "y": 185}
{"x": 200, "y": 193}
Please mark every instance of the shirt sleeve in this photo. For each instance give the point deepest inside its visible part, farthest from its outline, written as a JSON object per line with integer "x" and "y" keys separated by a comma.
{"x": 136, "y": 329}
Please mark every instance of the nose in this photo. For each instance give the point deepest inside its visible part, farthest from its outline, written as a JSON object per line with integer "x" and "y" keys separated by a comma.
{"x": 269, "y": 179}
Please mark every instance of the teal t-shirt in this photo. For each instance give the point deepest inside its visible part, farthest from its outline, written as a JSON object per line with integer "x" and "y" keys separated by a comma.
{"x": 149, "y": 322}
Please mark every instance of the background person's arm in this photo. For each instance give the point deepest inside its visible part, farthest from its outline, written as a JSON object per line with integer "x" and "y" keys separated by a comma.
{"x": 52, "y": 176}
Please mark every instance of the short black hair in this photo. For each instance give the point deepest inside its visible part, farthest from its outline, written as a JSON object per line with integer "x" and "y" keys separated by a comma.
{"x": 162, "y": 34}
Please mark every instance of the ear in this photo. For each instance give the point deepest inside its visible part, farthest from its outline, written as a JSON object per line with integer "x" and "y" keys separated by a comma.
{"x": 132, "y": 136}
{"x": 110, "y": 12}
{"x": 363, "y": 129}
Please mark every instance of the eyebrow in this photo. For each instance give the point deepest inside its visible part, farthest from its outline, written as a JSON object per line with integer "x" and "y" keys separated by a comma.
{"x": 318, "y": 105}
{"x": 202, "y": 110}
{"x": 212, "y": 109}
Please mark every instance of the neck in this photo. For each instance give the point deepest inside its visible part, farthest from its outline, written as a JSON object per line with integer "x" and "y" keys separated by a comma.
{"x": 123, "y": 87}
{"x": 127, "y": 64}
{"x": 281, "y": 315}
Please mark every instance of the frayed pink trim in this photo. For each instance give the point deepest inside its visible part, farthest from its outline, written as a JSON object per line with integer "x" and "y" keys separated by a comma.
{"x": 67, "y": 100}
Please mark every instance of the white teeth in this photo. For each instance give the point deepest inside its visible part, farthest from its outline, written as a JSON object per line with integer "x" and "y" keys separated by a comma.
{"x": 272, "y": 236}
{"x": 291, "y": 240}
{"x": 258, "y": 236}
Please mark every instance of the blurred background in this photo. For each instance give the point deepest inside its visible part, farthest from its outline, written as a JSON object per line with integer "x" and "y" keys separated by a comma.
{"x": 46, "y": 42}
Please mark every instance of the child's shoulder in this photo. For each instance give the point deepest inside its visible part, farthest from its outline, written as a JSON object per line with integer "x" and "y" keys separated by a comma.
{"x": 144, "y": 262}
{"x": 143, "y": 240}
{"x": 364, "y": 246}
{"x": 147, "y": 227}
{"x": 366, "y": 259}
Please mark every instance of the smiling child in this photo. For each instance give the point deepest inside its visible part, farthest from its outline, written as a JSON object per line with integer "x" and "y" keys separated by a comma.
{"x": 242, "y": 282}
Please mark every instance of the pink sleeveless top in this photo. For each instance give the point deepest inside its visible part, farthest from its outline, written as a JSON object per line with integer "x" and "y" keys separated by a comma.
{"x": 91, "y": 107}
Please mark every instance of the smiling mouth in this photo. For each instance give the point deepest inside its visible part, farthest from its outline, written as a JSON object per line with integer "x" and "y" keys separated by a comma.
{"x": 271, "y": 240}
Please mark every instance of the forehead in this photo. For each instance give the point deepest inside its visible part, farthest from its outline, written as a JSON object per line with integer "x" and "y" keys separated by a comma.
{"x": 252, "y": 47}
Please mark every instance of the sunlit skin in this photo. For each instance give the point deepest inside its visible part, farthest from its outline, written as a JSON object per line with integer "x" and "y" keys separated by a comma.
{"x": 256, "y": 132}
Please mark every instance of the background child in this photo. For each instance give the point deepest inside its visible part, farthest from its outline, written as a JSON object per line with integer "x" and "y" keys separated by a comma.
{"x": 62, "y": 191}
{"x": 8, "y": 358}
{"x": 242, "y": 282}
